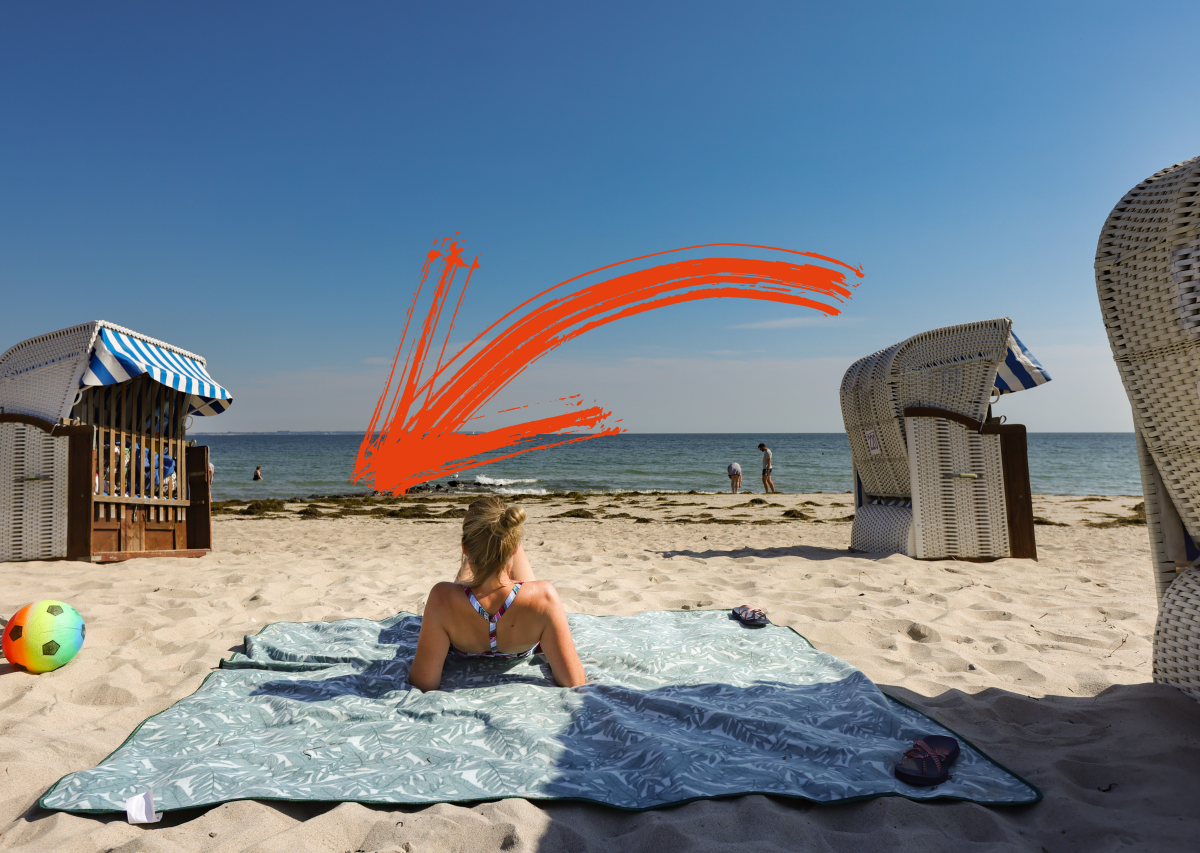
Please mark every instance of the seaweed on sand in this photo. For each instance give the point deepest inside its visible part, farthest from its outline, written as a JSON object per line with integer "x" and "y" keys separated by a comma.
{"x": 1138, "y": 517}
{"x": 575, "y": 513}
{"x": 262, "y": 507}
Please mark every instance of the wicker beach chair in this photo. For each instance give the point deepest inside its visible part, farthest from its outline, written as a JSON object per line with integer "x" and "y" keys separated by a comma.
{"x": 94, "y": 460}
{"x": 934, "y": 476}
{"x": 1148, "y": 282}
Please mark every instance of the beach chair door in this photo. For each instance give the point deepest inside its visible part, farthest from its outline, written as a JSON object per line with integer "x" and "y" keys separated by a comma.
{"x": 1018, "y": 496}
{"x": 957, "y": 476}
{"x": 33, "y": 493}
{"x": 199, "y": 524}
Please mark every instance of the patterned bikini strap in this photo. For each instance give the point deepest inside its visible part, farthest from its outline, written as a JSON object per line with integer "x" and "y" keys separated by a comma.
{"x": 492, "y": 620}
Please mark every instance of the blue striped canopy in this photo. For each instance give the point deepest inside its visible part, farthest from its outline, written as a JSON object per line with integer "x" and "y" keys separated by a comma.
{"x": 1019, "y": 370}
{"x": 118, "y": 357}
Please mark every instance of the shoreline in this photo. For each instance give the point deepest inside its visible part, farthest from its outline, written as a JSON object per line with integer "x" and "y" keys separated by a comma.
{"x": 518, "y": 496}
{"x": 377, "y": 505}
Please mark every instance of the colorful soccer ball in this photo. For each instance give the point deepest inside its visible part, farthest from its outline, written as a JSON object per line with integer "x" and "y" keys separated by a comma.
{"x": 44, "y": 636}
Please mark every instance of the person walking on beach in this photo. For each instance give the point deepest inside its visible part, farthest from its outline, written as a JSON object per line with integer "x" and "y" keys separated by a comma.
{"x": 768, "y": 483}
{"x": 735, "y": 477}
{"x": 257, "y": 472}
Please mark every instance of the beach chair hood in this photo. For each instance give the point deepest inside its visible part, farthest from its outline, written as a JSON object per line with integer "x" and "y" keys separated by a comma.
{"x": 957, "y": 368}
{"x": 43, "y": 376}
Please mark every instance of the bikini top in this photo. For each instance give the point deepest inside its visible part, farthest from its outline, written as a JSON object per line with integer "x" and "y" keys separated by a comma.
{"x": 493, "y": 621}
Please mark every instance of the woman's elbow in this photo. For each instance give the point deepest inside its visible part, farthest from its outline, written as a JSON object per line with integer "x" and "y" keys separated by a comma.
{"x": 571, "y": 681}
{"x": 425, "y": 684}
{"x": 423, "y": 679}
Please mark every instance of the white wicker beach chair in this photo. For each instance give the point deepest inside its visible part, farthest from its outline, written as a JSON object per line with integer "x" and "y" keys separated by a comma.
{"x": 94, "y": 461}
{"x": 933, "y": 476}
{"x": 1148, "y": 282}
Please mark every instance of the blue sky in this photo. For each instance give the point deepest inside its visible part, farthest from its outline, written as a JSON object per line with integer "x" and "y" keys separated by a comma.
{"x": 243, "y": 179}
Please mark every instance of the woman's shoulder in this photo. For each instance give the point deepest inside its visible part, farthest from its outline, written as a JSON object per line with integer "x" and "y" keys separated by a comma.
{"x": 539, "y": 594}
{"x": 444, "y": 591}
{"x": 445, "y": 586}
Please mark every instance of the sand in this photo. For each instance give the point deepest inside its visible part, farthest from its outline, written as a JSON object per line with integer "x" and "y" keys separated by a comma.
{"x": 1044, "y": 665}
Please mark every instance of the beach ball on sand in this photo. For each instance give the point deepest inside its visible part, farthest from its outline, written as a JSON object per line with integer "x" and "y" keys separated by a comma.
{"x": 44, "y": 636}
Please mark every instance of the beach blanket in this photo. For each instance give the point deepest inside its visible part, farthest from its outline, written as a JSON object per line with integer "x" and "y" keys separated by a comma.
{"x": 679, "y": 706}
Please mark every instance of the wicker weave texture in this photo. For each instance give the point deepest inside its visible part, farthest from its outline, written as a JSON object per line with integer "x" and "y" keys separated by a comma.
{"x": 1152, "y": 490}
{"x": 953, "y": 368}
{"x": 1177, "y": 636}
{"x": 44, "y": 350}
{"x": 882, "y": 529}
{"x": 950, "y": 368}
{"x": 956, "y": 516}
{"x": 46, "y": 393}
{"x": 1185, "y": 275}
{"x": 33, "y": 494}
{"x": 40, "y": 376}
{"x": 1146, "y": 281}
{"x": 870, "y": 406}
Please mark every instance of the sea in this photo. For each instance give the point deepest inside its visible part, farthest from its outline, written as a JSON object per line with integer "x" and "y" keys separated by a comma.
{"x": 299, "y": 465}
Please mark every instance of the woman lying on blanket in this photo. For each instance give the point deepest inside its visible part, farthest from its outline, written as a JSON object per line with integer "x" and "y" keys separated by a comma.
{"x": 464, "y": 617}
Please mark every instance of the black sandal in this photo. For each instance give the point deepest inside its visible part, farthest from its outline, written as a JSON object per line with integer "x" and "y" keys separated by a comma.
{"x": 928, "y": 762}
{"x": 749, "y": 616}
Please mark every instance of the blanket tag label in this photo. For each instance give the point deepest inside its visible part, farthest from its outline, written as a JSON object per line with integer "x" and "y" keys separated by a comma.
{"x": 140, "y": 809}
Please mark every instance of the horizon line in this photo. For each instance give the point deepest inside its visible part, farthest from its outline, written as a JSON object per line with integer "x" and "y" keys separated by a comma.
{"x": 631, "y": 432}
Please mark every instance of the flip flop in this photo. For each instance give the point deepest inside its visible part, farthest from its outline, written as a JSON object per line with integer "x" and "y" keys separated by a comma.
{"x": 751, "y": 617}
{"x": 928, "y": 762}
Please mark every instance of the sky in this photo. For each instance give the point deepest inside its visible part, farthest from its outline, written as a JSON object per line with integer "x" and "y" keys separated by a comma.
{"x": 259, "y": 183}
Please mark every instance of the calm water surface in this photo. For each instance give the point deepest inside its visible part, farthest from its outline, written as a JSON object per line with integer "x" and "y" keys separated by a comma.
{"x": 300, "y": 465}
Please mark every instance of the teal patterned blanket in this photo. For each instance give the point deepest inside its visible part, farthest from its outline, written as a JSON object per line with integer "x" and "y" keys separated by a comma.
{"x": 679, "y": 706}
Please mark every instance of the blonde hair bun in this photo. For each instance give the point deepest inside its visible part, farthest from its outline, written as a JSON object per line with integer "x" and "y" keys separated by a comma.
{"x": 513, "y": 516}
{"x": 492, "y": 532}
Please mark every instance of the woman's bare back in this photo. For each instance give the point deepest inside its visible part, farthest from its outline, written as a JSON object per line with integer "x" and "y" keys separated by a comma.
{"x": 535, "y": 616}
{"x": 518, "y": 629}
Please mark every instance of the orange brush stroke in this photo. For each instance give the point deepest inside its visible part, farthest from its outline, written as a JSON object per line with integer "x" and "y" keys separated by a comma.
{"x": 411, "y": 440}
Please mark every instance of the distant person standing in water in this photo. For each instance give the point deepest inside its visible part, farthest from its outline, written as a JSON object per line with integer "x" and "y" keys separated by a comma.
{"x": 768, "y": 483}
{"x": 257, "y": 472}
{"x": 735, "y": 477}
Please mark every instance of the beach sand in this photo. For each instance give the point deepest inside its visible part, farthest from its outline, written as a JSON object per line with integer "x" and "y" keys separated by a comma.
{"x": 1046, "y": 666}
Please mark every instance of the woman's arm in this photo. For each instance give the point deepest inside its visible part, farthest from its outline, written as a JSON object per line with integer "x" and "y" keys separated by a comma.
{"x": 557, "y": 644}
{"x": 521, "y": 571}
{"x": 433, "y": 644}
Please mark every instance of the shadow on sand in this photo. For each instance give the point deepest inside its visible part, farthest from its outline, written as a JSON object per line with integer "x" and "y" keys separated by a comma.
{"x": 807, "y": 552}
{"x": 1118, "y": 771}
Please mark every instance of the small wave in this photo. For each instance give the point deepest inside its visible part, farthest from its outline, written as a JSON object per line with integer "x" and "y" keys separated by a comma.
{"x": 481, "y": 480}
{"x": 503, "y": 491}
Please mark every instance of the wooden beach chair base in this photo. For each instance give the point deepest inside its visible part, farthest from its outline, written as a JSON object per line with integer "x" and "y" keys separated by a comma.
{"x": 50, "y": 510}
